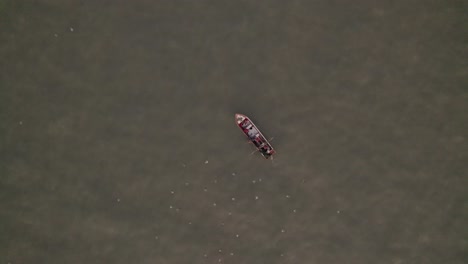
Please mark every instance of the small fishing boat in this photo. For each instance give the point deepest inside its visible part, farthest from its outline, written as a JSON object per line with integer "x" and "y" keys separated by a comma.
{"x": 254, "y": 135}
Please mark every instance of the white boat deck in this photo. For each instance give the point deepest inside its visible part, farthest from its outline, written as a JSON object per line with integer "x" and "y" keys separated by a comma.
{"x": 253, "y": 132}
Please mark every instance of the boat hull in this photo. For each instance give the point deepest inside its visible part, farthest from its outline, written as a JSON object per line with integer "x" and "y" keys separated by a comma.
{"x": 255, "y": 136}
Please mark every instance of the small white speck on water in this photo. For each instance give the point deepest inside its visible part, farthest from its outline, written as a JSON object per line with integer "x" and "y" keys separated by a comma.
{"x": 281, "y": 255}
{"x": 254, "y": 181}
{"x": 233, "y": 174}
{"x": 206, "y": 161}
{"x": 187, "y": 184}
{"x": 294, "y": 211}
{"x": 55, "y": 35}
{"x": 177, "y": 209}
{"x": 20, "y": 122}
{"x": 237, "y": 235}
{"x": 71, "y": 29}
{"x": 219, "y": 260}
{"x": 232, "y": 254}
{"x": 118, "y": 200}
{"x": 172, "y": 192}
{"x": 215, "y": 181}
{"x": 287, "y": 196}
{"x": 260, "y": 180}
{"x": 214, "y": 204}
{"x": 256, "y": 197}
{"x": 233, "y": 198}
{"x": 156, "y": 237}
{"x": 338, "y": 211}
{"x": 189, "y": 223}
{"x": 220, "y": 251}
{"x": 282, "y": 231}
{"x": 170, "y": 206}
{"x": 205, "y": 190}
{"x": 229, "y": 213}
{"x": 205, "y": 255}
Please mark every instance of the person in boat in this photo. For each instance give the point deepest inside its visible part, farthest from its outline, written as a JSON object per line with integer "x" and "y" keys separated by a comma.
{"x": 245, "y": 123}
{"x": 258, "y": 139}
{"x": 266, "y": 150}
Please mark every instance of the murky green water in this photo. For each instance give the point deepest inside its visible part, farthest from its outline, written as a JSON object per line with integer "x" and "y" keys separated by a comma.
{"x": 119, "y": 143}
